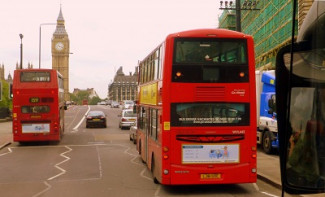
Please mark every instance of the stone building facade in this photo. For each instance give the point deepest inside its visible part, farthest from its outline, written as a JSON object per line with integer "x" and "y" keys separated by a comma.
{"x": 123, "y": 87}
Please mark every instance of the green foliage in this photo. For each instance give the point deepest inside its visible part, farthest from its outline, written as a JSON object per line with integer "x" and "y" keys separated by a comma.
{"x": 5, "y": 100}
{"x": 94, "y": 100}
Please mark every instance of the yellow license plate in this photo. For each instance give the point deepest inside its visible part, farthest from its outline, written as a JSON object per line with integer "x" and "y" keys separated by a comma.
{"x": 211, "y": 176}
{"x": 96, "y": 119}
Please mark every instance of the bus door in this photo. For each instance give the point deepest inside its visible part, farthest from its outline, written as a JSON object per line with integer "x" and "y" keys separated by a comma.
{"x": 147, "y": 132}
{"x": 144, "y": 127}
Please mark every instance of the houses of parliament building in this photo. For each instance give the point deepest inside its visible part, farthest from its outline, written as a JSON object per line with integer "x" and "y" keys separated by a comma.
{"x": 123, "y": 87}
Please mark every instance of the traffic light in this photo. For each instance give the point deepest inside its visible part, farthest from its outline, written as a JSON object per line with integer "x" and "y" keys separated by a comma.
{"x": 10, "y": 91}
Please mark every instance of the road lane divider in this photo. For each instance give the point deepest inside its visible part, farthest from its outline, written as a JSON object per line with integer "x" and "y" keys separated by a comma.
{"x": 10, "y": 151}
{"x": 57, "y": 165}
{"x": 82, "y": 119}
{"x": 48, "y": 187}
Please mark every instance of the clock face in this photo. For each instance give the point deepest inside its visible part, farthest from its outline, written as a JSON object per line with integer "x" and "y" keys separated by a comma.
{"x": 59, "y": 46}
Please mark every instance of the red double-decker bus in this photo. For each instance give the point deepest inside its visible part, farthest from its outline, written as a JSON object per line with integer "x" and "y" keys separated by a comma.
{"x": 38, "y": 105}
{"x": 197, "y": 109}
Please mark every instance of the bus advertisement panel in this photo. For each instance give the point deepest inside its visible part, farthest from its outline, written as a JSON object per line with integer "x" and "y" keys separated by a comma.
{"x": 197, "y": 109}
{"x": 38, "y": 105}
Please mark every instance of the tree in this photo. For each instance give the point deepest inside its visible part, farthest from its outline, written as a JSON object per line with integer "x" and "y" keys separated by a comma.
{"x": 5, "y": 100}
{"x": 95, "y": 100}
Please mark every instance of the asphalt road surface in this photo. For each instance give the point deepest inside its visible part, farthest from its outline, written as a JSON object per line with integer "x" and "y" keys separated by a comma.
{"x": 95, "y": 162}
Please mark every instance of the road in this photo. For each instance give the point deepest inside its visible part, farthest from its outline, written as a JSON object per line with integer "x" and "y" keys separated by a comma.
{"x": 95, "y": 162}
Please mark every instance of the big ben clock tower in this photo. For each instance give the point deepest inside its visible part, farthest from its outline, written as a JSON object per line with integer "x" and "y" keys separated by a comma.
{"x": 60, "y": 53}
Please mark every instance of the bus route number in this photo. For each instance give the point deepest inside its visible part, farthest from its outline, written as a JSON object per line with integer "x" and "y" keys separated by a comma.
{"x": 34, "y": 100}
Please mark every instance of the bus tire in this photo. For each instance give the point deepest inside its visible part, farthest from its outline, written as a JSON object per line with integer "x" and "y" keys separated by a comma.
{"x": 155, "y": 180}
{"x": 134, "y": 139}
{"x": 267, "y": 142}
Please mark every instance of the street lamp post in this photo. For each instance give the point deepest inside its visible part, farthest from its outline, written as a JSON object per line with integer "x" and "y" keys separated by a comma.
{"x": 21, "y": 50}
{"x": 40, "y": 42}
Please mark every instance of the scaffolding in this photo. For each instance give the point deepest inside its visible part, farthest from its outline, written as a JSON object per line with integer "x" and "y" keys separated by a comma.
{"x": 227, "y": 20}
{"x": 270, "y": 27}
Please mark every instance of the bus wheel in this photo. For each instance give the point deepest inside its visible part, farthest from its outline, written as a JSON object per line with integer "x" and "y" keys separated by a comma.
{"x": 153, "y": 170}
{"x": 267, "y": 146}
{"x": 134, "y": 139}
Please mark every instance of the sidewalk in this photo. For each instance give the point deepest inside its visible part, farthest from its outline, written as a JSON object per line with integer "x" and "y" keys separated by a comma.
{"x": 5, "y": 133}
{"x": 268, "y": 169}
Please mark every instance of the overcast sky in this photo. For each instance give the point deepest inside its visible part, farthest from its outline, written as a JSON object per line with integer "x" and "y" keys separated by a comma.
{"x": 104, "y": 34}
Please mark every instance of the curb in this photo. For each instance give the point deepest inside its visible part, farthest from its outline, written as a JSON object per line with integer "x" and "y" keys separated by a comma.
{"x": 269, "y": 180}
{"x": 5, "y": 120}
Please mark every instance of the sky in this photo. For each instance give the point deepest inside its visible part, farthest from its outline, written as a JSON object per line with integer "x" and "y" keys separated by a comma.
{"x": 104, "y": 34}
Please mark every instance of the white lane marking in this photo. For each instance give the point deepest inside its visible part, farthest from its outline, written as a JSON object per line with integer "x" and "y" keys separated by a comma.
{"x": 73, "y": 119}
{"x": 57, "y": 165}
{"x": 99, "y": 164}
{"x": 269, "y": 194}
{"x": 256, "y": 187}
{"x": 143, "y": 176}
{"x": 134, "y": 156}
{"x": 82, "y": 119}
{"x": 10, "y": 151}
{"x": 157, "y": 191}
{"x": 45, "y": 190}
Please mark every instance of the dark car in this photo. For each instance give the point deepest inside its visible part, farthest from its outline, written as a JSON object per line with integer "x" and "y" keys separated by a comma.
{"x": 95, "y": 118}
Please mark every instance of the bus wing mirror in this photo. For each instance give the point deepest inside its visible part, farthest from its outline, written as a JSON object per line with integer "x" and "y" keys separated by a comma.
{"x": 298, "y": 92}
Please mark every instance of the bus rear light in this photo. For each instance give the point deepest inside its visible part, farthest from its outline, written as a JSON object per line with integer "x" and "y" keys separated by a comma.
{"x": 253, "y": 148}
{"x": 165, "y": 149}
{"x": 254, "y": 170}
{"x": 254, "y": 156}
{"x": 242, "y": 74}
{"x": 166, "y": 172}
{"x": 56, "y": 127}
{"x": 166, "y": 157}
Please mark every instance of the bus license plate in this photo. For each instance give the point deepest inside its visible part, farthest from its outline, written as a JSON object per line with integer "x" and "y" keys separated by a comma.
{"x": 211, "y": 176}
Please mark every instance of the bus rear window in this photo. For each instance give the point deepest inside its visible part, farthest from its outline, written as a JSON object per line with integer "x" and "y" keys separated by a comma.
{"x": 35, "y": 109}
{"x": 209, "y": 114}
{"x": 35, "y": 77}
{"x": 201, "y": 60}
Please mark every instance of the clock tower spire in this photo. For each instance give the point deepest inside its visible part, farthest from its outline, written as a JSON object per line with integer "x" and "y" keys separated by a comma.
{"x": 60, "y": 52}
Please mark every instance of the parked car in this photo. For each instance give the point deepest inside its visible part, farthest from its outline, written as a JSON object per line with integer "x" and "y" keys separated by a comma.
{"x": 96, "y": 118}
{"x": 115, "y": 104}
{"x": 127, "y": 118}
{"x": 127, "y": 104}
{"x": 133, "y": 133}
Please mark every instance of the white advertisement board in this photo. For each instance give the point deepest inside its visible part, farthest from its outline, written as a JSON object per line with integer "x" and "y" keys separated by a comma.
{"x": 210, "y": 153}
{"x": 36, "y": 128}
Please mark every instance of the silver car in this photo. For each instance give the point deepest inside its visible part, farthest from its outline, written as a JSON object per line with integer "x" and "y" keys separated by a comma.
{"x": 127, "y": 118}
{"x": 133, "y": 134}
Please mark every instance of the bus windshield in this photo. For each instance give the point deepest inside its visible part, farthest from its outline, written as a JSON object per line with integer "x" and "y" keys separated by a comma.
{"x": 199, "y": 60}
{"x": 210, "y": 114}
